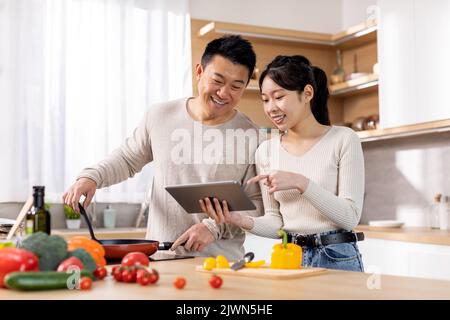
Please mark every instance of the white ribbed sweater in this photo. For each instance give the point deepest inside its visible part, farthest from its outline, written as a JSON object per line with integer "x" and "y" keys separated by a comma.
{"x": 334, "y": 196}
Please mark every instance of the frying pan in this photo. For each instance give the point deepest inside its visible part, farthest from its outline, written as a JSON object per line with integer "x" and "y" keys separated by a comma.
{"x": 118, "y": 248}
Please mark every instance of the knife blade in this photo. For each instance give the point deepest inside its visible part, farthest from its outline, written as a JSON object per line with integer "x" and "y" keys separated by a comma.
{"x": 241, "y": 263}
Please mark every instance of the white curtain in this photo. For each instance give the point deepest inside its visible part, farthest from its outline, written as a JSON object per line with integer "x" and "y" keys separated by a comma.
{"x": 76, "y": 76}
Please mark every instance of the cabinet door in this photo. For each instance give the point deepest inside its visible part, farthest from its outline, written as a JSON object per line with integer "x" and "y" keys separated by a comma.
{"x": 384, "y": 257}
{"x": 406, "y": 258}
{"x": 413, "y": 51}
{"x": 429, "y": 261}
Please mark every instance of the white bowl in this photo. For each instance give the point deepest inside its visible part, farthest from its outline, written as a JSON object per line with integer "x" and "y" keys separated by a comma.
{"x": 7, "y": 221}
{"x": 386, "y": 223}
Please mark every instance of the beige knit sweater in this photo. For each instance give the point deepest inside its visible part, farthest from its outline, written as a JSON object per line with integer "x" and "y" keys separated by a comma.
{"x": 334, "y": 197}
{"x": 183, "y": 151}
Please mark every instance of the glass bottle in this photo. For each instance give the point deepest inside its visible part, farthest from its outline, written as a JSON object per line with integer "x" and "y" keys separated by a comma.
{"x": 338, "y": 74}
{"x": 433, "y": 216}
{"x": 38, "y": 218}
{"x": 109, "y": 217}
{"x": 444, "y": 213}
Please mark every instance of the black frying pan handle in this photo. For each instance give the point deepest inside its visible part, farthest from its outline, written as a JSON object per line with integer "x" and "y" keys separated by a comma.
{"x": 167, "y": 245}
{"x": 88, "y": 222}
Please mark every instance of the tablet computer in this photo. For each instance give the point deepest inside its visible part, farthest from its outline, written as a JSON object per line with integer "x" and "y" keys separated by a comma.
{"x": 188, "y": 195}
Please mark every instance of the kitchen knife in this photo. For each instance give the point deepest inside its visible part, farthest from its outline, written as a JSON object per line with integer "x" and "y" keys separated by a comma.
{"x": 241, "y": 263}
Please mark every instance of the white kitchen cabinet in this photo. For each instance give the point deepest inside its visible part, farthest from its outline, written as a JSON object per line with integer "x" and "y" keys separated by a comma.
{"x": 385, "y": 257}
{"x": 413, "y": 51}
{"x": 406, "y": 258}
{"x": 388, "y": 257}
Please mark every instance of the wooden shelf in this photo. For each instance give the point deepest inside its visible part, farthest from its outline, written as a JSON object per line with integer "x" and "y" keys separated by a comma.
{"x": 405, "y": 131}
{"x": 361, "y": 84}
{"x": 356, "y": 35}
{"x": 352, "y": 37}
{"x": 253, "y": 85}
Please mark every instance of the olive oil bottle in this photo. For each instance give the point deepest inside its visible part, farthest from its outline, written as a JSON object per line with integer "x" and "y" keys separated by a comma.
{"x": 38, "y": 218}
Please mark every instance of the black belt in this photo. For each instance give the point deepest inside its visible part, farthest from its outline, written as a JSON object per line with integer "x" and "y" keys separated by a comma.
{"x": 315, "y": 240}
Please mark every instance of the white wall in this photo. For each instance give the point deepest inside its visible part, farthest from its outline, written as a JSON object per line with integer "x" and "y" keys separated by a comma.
{"x": 356, "y": 11}
{"x": 306, "y": 15}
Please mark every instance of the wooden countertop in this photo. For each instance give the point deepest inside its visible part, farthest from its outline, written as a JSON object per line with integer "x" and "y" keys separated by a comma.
{"x": 408, "y": 234}
{"x": 102, "y": 233}
{"x": 330, "y": 285}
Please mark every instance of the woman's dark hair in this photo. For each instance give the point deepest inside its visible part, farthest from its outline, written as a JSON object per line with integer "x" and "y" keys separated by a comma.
{"x": 233, "y": 48}
{"x": 294, "y": 73}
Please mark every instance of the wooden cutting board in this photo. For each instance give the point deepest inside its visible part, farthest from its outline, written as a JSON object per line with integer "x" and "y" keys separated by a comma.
{"x": 266, "y": 272}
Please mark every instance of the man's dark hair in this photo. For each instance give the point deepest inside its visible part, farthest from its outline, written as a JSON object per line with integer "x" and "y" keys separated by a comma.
{"x": 233, "y": 48}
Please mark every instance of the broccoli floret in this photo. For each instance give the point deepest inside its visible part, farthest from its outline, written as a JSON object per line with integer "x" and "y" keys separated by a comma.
{"x": 51, "y": 250}
{"x": 85, "y": 257}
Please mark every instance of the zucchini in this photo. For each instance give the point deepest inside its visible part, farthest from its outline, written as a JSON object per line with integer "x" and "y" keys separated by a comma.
{"x": 43, "y": 280}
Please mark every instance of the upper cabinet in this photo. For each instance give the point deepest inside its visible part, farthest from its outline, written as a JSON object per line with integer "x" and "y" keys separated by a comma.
{"x": 414, "y": 51}
{"x": 352, "y": 100}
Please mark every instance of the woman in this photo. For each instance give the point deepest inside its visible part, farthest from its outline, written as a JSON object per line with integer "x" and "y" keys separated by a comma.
{"x": 311, "y": 176}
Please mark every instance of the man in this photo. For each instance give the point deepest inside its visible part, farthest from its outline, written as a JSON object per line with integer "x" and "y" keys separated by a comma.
{"x": 169, "y": 136}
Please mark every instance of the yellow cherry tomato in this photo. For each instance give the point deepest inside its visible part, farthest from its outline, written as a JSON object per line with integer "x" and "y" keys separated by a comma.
{"x": 222, "y": 262}
{"x": 209, "y": 263}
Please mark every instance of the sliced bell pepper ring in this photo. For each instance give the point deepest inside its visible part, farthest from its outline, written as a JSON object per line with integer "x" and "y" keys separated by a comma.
{"x": 286, "y": 255}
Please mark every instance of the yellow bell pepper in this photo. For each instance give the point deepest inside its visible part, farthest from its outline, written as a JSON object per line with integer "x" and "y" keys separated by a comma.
{"x": 286, "y": 255}
{"x": 255, "y": 264}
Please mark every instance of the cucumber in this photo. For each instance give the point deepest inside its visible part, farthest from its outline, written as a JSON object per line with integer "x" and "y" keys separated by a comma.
{"x": 42, "y": 280}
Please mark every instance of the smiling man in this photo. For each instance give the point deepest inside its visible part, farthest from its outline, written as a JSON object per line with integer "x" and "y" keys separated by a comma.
{"x": 222, "y": 76}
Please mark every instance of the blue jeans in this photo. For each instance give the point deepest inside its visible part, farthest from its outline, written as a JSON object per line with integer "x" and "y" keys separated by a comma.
{"x": 341, "y": 256}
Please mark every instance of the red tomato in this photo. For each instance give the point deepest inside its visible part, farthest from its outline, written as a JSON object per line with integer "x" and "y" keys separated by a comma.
{"x": 141, "y": 273}
{"x": 144, "y": 281}
{"x": 179, "y": 282}
{"x": 117, "y": 275}
{"x": 215, "y": 282}
{"x": 72, "y": 262}
{"x": 114, "y": 270}
{"x": 128, "y": 276}
{"x": 85, "y": 283}
{"x": 100, "y": 273}
{"x": 154, "y": 276}
{"x": 135, "y": 258}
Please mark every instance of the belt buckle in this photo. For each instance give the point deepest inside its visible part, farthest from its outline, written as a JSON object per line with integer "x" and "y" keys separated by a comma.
{"x": 317, "y": 240}
{"x": 301, "y": 240}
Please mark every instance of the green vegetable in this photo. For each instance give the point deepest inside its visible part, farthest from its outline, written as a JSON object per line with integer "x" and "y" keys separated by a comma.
{"x": 70, "y": 213}
{"x": 85, "y": 257}
{"x": 48, "y": 280}
{"x": 51, "y": 250}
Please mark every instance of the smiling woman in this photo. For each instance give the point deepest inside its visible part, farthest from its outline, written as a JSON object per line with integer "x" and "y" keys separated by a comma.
{"x": 75, "y": 78}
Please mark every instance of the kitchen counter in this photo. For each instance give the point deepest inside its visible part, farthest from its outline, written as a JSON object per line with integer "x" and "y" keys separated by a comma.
{"x": 330, "y": 285}
{"x": 408, "y": 234}
{"x": 102, "y": 233}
